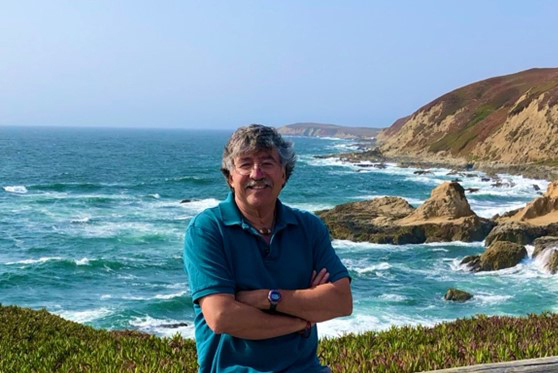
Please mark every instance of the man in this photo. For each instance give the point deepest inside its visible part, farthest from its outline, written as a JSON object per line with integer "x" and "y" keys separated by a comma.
{"x": 261, "y": 274}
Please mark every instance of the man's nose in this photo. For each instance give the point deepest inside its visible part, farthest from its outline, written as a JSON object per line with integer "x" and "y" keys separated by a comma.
{"x": 256, "y": 172}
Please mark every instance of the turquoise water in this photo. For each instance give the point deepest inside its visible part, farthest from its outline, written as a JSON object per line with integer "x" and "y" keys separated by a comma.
{"x": 92, "y": 229}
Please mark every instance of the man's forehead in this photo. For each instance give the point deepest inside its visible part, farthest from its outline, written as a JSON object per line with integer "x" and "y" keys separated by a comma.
{"x": 259, "y": 154}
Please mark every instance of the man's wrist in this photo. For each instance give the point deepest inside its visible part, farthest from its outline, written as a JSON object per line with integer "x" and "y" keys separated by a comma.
{"x": 273, "y": 299}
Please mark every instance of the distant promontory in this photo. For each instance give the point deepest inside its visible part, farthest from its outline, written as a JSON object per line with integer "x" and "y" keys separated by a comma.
{"x": 328, "y": 130}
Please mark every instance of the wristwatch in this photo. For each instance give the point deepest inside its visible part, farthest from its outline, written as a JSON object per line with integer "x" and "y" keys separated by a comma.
{"x": 274, "y": 297}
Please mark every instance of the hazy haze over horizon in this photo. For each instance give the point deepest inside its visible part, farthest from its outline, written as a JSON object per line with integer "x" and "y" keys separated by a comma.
{"x": 219, "y": 64}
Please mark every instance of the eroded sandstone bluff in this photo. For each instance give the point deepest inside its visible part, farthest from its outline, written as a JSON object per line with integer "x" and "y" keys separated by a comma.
{"x": 445, "y": 216}
{"x": 510, "y": 119}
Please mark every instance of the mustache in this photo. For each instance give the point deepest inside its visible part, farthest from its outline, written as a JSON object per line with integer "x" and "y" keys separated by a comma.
{"x": 259, "y": 183}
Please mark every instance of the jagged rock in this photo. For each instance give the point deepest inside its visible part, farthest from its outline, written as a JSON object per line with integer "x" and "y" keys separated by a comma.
{"x": 472, "y": 190}
{"x": 543, "y": 210}
{"x": 422, "y": 172}
{"x": 446, "y": 201}
{"x": 457, "y": 295}
{"x": 472, "y": 262}
{"x": 552, "y": 264}
{"x": 485, "y": 179}
{"x": 536, "y": 187}
{"x": 186, "y": 201}
{"x": 371, "y": 221}
{"x": 542, "y": 243}
{"x": 445, "y": 216}
{"x": 500, "y": 255}
{"x": 174, "y": 326}
{"x": 539, "y": 218}
{"x": 523, "y": 234}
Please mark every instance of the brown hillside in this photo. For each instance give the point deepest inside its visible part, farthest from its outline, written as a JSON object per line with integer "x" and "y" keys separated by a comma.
{"x": 510, "y": 119}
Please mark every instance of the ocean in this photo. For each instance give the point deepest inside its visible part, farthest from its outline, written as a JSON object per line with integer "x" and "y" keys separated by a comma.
{"x": 92, "y": 230}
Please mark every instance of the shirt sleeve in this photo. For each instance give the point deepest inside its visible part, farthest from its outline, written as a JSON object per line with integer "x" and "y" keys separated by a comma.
{"x": 325, "y": 256}
{"x": 206, "y": 263}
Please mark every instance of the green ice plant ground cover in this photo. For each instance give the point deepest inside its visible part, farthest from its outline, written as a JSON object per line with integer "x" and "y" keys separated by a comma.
{"x": 37, "y": 341}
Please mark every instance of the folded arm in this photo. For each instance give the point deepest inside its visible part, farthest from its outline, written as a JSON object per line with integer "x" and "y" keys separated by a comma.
{"x": 316, "y": 304}
{"x": 224, "y": 314}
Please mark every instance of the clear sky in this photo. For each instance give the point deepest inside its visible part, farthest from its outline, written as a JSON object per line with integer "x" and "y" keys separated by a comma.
{"x": 222, "y": 64}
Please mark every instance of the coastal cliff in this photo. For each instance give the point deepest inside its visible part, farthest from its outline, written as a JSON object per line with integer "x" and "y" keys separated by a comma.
{"x": 328, "y": 130}
{"x": 511, "y": 119}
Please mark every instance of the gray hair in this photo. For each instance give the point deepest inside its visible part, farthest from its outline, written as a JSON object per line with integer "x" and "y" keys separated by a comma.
{"x": 255, "y": 138}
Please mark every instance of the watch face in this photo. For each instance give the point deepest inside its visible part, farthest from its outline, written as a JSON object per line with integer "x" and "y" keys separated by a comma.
{"x": 274, "y": 296}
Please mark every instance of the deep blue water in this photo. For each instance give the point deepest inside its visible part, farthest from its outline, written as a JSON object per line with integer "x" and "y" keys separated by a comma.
{"x": 92, "y": 229}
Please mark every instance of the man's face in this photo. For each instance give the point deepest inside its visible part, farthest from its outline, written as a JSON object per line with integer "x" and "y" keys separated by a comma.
{"x": 257, "y": 179}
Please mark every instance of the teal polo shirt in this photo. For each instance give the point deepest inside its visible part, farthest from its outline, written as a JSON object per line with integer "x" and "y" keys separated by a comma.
{"x": 225, "y": 254}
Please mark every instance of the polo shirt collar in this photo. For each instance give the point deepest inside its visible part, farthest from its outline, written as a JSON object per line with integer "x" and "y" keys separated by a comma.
{"x": 231, "y": 214}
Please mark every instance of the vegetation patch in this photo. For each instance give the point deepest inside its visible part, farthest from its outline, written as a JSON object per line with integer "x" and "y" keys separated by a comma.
{"x": 36, "y": 341}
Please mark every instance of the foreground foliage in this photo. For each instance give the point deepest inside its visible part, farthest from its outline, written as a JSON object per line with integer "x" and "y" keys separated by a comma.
{"x": 36, "y": 341}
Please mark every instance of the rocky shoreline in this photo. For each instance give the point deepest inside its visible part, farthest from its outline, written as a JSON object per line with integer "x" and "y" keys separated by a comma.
{"x": 492, "y": 169}
{"x": 446, "y": 216}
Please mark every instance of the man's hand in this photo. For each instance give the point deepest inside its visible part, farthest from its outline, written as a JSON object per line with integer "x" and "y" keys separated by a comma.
{"x": 319, "y": 278}
{"x": 258, "y": 298}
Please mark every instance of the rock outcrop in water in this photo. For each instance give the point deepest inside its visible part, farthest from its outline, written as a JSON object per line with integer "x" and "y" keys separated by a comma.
{"x": 539, "y": 218}
{"x": 445, "y": 216}
{"x": 499, "y": 255}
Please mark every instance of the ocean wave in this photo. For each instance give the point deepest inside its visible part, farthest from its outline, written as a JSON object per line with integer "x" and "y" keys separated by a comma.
{"x": 81, "y": 220}
{"x": 85, "y": 315}
{"x": 191, "y": 179}
{"x": 491, "y": 299}
{"x": 313, "y": 207}
{"x": 393, "y": 297}
{"x": 36, "y": 261}
{"x": 363, "y": 322}
{"x": 65, "y": 187}
{"x": 160, "y": 327}
{"x": 18, "y": 189}
{"x": 362, "y": 266}
{"x": 170, "y": 296}
{"x": 197, "y": 206}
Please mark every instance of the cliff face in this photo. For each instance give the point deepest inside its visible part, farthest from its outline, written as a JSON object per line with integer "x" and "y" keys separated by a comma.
{"x": 328, "y": 130}
{"x": 511, "y": 119}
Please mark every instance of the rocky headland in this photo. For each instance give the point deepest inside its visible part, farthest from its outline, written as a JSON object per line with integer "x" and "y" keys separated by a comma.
{"x": 510, "y": 119}
{"x": 506, "y": 124}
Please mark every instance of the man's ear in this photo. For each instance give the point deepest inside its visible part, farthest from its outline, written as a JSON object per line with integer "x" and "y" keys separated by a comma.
{"x": 229, "y": 181}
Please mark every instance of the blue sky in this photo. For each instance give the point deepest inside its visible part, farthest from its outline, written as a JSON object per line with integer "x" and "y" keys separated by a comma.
{"x": 222, "y": 64}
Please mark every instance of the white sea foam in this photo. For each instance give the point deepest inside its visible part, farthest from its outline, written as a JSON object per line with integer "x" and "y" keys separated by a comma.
{"x": 148, "y": 324}
{"x": 393, "y": 297}
{"x": 362, "y": 322}
{"x": 365, "y": 246}
{"x": 170, "y": 296}
{"x": 105, "y": 296}
{"x": 178, "y": 285}
{"x": 19, "y": 189}
{"x": 155, "y": 195}
{"x": 360, "y": 269}
{"x": 82, "y": 261}
{"x": 198, "y": 206}
{"x": 81, "y": 220}
{"x": 491, "y": 299}
{"x": 541, "y": 261}
{"x": 36, "y": 261}
{"x": 85, "y": 316}
{"x": 311, "y": 206}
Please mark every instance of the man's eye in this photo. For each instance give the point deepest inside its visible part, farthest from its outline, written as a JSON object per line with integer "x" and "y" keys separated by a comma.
{"x": 245, "y": 166}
